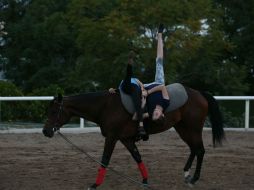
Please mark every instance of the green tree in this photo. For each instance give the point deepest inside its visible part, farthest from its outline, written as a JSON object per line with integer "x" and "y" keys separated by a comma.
{"x": 238, "y": 25}
{"x": 10, "y": 110}
{"x": 40, "y": 46}
{"x": 36, "y": 110}
{"x": 82, "y": 45}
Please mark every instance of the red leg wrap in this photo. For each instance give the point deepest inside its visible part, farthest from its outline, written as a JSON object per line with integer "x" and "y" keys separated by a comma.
{"x": 100, "y": 176}
{"x": 143, "y": 170}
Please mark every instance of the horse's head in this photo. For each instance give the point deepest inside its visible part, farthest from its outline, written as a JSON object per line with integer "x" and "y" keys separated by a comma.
{"x": 57, "y": 116}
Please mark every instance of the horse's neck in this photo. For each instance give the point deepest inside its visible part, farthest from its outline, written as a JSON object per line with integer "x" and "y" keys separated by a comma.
{"x": 88, "y": 106}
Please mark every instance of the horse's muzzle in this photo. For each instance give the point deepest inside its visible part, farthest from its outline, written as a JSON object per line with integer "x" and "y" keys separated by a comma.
{"x": 48, "y": 132}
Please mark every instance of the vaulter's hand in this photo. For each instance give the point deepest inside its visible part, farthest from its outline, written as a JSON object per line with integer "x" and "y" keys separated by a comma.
{"x": 112, "y": 90}
{"x": 144, "y": 93}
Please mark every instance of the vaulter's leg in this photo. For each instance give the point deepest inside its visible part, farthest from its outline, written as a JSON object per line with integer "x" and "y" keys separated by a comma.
{"x": 108, "y": 150}
{"x": 132, "y": 148}
{"x": 159, "y": 75}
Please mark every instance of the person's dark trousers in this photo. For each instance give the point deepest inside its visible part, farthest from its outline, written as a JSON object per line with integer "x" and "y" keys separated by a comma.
{"x": 134, "y": 91}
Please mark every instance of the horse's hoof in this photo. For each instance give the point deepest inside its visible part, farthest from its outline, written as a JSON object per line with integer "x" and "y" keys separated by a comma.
{"x": 190, "y": 181}
{"x": 187, "y": 179}
{"x": 194, "y": 179}
{"x": 93, "y": 187}
{"x": 145, "y": 182}
{"x": 190, "y": 185}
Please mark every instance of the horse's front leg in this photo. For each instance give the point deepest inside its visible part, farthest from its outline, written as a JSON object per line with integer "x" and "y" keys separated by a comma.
{"x": 108, "y": 150}
{"x": 132, "y": 148}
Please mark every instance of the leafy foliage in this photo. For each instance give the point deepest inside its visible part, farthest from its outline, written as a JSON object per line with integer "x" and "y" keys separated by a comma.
{"x": 238, "y": 26}
{"x": 36, "y": 110}
{"x": 82, "y": 45}
{"x": 11, "y": 110}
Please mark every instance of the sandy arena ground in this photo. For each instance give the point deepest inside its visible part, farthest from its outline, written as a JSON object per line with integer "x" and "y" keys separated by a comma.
{"x": 34, "y": 162}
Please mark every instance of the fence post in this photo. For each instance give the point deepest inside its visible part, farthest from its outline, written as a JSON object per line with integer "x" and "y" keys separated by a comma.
{"x": 247, "y": 114}
{"x": 0, "y": 113}
{"x": 82, "y": 123}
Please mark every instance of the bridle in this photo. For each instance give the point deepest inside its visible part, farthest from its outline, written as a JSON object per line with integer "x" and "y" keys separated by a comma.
{"x": 57, "y": 125}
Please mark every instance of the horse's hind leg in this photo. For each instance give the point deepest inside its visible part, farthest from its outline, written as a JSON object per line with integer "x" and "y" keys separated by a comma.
{"x": 195, "y": 142}
{"x": 132, "y": 148}
{"x": 200, "y": 151}
{"x": 188, "y": 165}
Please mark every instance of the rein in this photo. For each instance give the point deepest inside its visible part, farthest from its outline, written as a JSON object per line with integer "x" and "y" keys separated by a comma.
{"x": 124, "y": 176}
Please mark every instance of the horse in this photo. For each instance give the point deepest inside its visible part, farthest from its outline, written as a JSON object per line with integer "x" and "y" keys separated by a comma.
{"x": 116, "y": 124}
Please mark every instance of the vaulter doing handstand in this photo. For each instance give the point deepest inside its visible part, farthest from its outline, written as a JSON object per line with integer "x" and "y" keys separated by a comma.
{"x": 155, "y": 92}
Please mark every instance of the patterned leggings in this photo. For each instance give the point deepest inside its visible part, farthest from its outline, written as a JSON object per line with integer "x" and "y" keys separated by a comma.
{"x": 159, "y": 75}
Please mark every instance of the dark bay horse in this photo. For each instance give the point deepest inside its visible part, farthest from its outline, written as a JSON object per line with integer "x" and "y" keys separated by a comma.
{"x": 116, "y": 123}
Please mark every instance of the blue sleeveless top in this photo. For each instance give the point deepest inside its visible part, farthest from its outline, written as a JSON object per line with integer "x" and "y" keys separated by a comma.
{"x": 154, "y": 99}
{"x": 133, "y": 81}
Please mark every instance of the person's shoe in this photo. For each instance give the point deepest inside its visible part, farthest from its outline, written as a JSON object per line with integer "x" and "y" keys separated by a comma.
{"x": 141, "y": 131}
{"x": 142, "y": 134}
{"x": 145, "y": 137}
{"x": 161, "y": 28}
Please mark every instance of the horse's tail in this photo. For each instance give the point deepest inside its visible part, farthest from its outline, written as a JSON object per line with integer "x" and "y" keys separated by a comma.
{"x": 215, "y": 119}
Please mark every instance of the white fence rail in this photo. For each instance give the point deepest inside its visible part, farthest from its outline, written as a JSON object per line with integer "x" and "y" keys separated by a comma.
{"x": 247, "y": 106}
{"x": 32, "y": 98}
{"x": 247, "y": 100}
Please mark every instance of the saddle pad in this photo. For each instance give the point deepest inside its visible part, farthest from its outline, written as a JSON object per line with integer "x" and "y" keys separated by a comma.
{"x": 177, "y": 94}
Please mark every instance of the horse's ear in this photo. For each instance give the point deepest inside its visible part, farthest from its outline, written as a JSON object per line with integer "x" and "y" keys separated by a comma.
{"x": 59, "y": 98}
{"x": 59, "y": 93}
